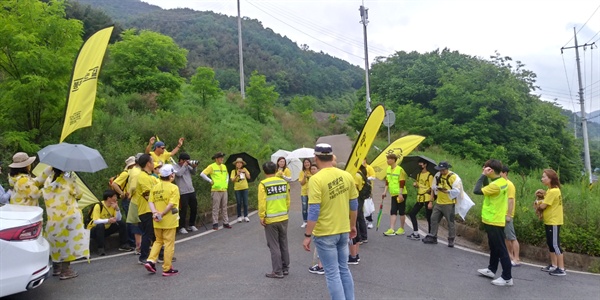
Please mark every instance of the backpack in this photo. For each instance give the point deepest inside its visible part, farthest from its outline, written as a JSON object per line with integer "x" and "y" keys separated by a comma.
{"x": 112, "y": 179}
{"x": 365, "y": 192}
{"x": 88, "y": 216}
{"x": 437, "y": 179}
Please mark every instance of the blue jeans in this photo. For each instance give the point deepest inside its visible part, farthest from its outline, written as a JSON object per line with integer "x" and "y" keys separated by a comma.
{"x": 333, "y": 252}
{"x": 242, "y": 200}
{"x": 304, "y": 207}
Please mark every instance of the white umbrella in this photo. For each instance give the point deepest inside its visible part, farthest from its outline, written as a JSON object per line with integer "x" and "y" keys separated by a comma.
{"x": 279, "y": 153}
{"x": 302, "y": 153}
{"x": 295, "y": 166}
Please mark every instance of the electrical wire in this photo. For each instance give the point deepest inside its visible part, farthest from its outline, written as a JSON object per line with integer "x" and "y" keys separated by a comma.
{"x": 583, "y": 25}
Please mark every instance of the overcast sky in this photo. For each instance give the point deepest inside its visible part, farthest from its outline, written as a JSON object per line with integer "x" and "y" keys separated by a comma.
{"x": 527, "y": 30}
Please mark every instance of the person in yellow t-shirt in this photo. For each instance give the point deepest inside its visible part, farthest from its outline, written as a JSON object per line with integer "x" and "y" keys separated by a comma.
{"x": 218, "y": 180}
{"x": 444, "y": 191}
{"x": 164, "y": 205}
{"x": 395, "y": 181}
{"x": 273, "y": 210}
{"x": 332, "y": 210}
{"x": 106, "y": 220}
{"x": 145, "y": 182}
{"x": 239, "y": 177}
{"x": 303, "y": 179}
{"x": 158, "y": 150}
{"x": 423, "y": 186}
{"x": 282, "y": 170}
{"x": 370, "y": 178}
{"x": 552, "y": 209}
{"x": 512, "y": 245}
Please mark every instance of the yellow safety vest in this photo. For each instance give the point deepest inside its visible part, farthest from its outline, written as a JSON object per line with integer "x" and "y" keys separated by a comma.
{"x": 276, "y": 206}
{"x": 393, "y": 179}
{"x": 219, "y": 177}
{"x": 494, "y": 208}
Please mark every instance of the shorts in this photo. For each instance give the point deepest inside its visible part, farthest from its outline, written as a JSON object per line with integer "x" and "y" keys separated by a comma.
{"x": 134, "y": 228}
{"x": 132, "y": 214}
{"x": 553, "y": 239}
{"x": 398, "y": 208}
{"x": 509, "y": 231}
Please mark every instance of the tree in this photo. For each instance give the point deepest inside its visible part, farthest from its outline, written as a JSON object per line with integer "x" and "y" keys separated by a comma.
{"x": 37, "y": 51}
{"x": 260, "y": 97}
{"x": 205, "y": 84}
{"x": 147, "y": 62}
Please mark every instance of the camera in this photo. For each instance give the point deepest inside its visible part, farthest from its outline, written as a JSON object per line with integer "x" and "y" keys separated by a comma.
{"x": 192, "y": 162}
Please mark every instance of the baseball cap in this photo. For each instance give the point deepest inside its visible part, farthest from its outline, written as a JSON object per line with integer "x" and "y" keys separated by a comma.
{"x": 323, "y": 149}
{"x": 443, "y": 165}
{"x": 166, "y": 170}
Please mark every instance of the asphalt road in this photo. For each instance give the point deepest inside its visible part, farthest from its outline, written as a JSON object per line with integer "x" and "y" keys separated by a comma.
{"x": 231, "y": 264}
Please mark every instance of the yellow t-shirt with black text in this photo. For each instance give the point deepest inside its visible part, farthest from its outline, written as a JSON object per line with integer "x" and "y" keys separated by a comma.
{"x": 145, "y": 183}
{"x": 162, "y": 194}
{"x": 102, "y": 213}
{"x": 239, "y": 184}
{"x": 444, "y": 198}
{"x": 424, "y": 182}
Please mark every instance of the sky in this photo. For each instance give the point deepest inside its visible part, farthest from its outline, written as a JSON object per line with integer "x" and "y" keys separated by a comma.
{"x": 530, "y": 31}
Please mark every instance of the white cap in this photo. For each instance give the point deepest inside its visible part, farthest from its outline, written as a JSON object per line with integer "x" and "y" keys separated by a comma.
{"x": 166, "y": 170}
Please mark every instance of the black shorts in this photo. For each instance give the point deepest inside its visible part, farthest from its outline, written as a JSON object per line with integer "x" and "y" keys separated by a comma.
{"x": 553, "y": 239}
{"x": 398, "y": 208}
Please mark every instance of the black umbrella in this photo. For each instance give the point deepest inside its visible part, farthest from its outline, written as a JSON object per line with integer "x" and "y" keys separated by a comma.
{"x": 410, "y": 164}
{"x": 251, "y": 164}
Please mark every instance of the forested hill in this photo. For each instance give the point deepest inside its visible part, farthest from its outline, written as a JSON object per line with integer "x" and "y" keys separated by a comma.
{"x": 212, "y": 41}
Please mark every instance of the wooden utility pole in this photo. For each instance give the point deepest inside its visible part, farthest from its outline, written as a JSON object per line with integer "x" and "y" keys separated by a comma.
{"x": 242, "y": 90}
{"x": 586, "y": 145}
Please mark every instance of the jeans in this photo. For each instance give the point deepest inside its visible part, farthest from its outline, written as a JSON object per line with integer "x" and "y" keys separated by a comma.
{"x": 125, "y": 205}
{"x": 185, "y": 201}
{"x": 304, "y": 200}
{"x": 241, "y": 198}
{"x": 333, "y": 252}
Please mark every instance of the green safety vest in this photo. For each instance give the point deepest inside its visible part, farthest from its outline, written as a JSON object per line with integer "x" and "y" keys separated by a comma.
{"x": 393, "y": 178}
{"x": 219, "y": 177}
{"x": 494, "y": 208}
{"x": 276, "y": 190}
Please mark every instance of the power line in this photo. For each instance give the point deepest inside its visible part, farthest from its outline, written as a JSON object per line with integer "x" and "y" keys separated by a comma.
{"x": 583, "y": 25}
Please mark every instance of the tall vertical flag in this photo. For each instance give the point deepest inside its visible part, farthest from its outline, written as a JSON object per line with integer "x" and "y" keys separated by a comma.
{"x": 365, "y": 139}
{"x": 84, "y": 81}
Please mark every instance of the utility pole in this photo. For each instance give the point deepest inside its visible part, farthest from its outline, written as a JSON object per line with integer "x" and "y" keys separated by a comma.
{"x": 242, "y": 91}
{"x": 586, "y": 145}
{"x": 364, "y": 15}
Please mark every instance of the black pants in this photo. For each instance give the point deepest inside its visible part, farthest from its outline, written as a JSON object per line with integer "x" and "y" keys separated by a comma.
{"x": 498, "y": 252}
{"x": 185, "y": 201}
{"x": 413, "y": 215}
{"x": 147, "y": 235}
{"x": 361, "y": 225}
{"x": 99, "y": 233}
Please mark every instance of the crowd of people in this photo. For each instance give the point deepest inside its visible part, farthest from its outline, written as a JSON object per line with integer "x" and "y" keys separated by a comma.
{"x": 157, "y": 195}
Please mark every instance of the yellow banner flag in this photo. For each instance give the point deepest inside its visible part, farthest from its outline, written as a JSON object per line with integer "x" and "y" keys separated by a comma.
{"x": 401, "y": 147}
{"x": 365, "y": 139}
{"x": 84, "y": 81}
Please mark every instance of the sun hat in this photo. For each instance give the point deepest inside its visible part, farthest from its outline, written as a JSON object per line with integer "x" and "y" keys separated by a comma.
{"x": 218, "y": 154}
{"x": 323, "y": 149}
{"x": 21, "y": 160}
{"x": 130, "y": 161}
{"x": 443, "y": 165}
{"x": 166, "y": 170}
{"x": 239, "y": 159}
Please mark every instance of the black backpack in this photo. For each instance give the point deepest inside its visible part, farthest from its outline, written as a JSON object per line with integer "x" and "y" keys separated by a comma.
{"x": 88, "y": 216}
{"x": 365, "y": 192}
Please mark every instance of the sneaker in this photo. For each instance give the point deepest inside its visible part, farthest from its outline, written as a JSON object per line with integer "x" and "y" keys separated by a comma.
{"x": 400, "y": 231}
{"x": 274, "y": 275}
{"x": 370, "y": 225}
{"x": 137, "y": 251}
{"x": 246, "y": 219}
{"x": 192, "y": 229}
{"x": 183, "y": 231}
{"x": 352, "y": 260}
{"x": 303, "y": 225}
{"x": 171, "y": 272}
{"x": 414, "y": 236}
{"x": 558, "y": 272}
{"x": 502, "y": 282}
{"x": 150, "y": 266}
{"x": 487, "y": 273}
{"x": 549, "y": 268}
{"x": 364, "y": 241}
{"x": 125, "y": 248}
{"x": 141, "y": 262}
{"x": 68, "y": 274}
{"x": 216, "y": 226}
{"x": 286, "y": 273}
{"x": 101, "y": 252}
{"x": 451, "y": 242}
{"x": 389, "y": 232}
{"x": 239, "y": 219}
{"x": 357, "y": 257}
{"x": 316, "y": 270}
{"x": 429, "y": 240}
{"x": 227, "y": 226}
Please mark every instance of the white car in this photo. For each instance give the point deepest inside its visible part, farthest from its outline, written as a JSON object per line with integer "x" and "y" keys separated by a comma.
{"x": 24, "y": 252}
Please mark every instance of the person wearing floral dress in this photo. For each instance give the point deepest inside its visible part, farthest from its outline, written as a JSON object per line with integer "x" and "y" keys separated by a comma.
{"x": 65, "y": 230}
{"x": 25, "y": 188}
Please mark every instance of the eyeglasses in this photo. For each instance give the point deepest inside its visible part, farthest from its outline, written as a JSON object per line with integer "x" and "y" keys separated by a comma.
{"x": 162, "y": 148}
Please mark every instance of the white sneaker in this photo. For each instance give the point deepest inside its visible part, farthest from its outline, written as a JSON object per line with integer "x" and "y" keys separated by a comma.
{"x": 239, "y": 219}
{"x": 502, "y": 282}
{"x": 246, "y": 219}
{"x": 183, "y": 231}
{"x": 487, "y": 273}
{"x": 303, "y": 225}
{"x": 193, "y": 228}
{"x": 370, "y": 225}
